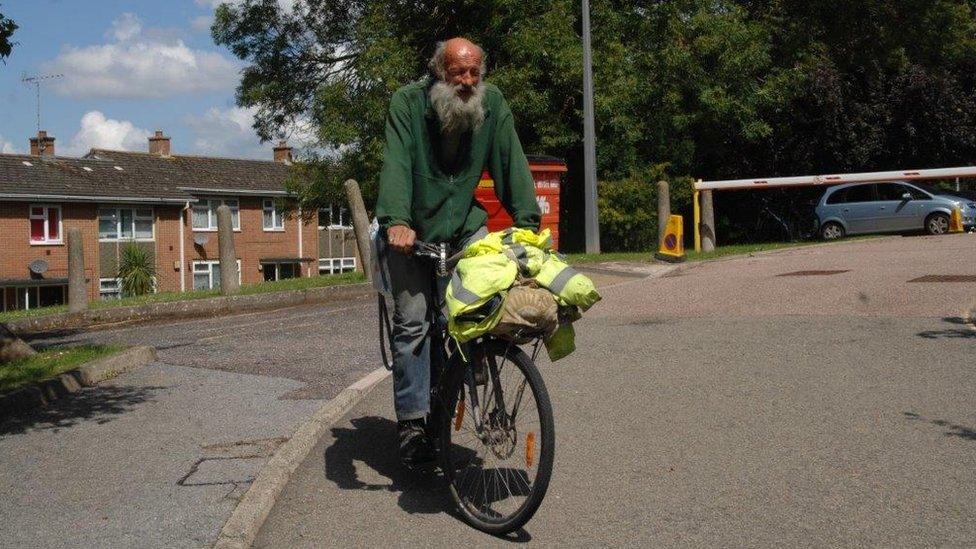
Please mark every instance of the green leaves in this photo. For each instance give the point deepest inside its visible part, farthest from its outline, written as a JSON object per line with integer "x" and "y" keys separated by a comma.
{"x": 137, "y": 269}
{"x": 7, "y": 28}
{"x": 708, "y": 88}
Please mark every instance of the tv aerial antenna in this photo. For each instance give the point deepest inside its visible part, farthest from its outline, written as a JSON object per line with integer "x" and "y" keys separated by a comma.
{"x": 35, "y": 80}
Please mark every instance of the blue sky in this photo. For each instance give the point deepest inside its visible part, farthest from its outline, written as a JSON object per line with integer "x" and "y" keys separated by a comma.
{"x": 129, "y": 68}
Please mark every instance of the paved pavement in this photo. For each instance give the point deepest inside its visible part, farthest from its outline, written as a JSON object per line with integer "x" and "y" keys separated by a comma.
{"x": 738, "y": 407}
{"x": 160, "y": 456}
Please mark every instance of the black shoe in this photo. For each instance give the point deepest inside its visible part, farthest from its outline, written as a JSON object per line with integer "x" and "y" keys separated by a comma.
{"x": 414, "y": 446}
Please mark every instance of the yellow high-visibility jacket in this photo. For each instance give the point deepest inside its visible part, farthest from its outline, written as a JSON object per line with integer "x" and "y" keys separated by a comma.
{"x": 492, "y": 265}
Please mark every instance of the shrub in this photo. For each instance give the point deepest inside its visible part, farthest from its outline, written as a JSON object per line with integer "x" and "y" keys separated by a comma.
{"x": 137, "y": 269}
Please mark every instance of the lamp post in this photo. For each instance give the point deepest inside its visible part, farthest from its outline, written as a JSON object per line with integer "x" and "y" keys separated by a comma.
{"x": 592, "y": 226}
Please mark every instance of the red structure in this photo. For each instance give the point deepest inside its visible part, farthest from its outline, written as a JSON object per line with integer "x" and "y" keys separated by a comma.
{"x": 547, "y": 173}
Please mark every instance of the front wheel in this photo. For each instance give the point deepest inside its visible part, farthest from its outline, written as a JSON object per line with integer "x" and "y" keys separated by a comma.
{"x": 831, "y": 231}
{"x": 937, "y": 223}
{"x": 497, "y": 438}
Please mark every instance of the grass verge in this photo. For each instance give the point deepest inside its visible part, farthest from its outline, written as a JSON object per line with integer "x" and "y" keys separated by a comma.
{"x": 691, "y": 255}
{"x": 48, "y": 364}
{"x": 247, "y": 289}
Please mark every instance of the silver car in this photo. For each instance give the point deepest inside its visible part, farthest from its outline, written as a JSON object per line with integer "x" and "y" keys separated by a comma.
{"x": 858, "y": 208}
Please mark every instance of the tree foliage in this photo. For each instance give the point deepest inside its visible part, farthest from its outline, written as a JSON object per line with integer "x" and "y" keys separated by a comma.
{"x": 701, "y": 88}
{"x": 7, "y": 28}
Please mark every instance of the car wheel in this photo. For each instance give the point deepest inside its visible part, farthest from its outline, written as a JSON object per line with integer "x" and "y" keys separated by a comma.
{"x": 831, "y": 231}
{"x": 937, "y": 223}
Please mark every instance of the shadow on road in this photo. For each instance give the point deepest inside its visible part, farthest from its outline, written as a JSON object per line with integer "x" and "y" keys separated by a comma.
{"x": 371, "y": 441}
{"x": 100, "y": 404}
{"x": 954, "y": 430}
{"x": 966, "y": 330}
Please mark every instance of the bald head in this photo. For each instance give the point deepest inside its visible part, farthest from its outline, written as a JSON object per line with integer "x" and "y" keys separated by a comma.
{"x": 461, "y": 50}
{"x": 458, "y": 61}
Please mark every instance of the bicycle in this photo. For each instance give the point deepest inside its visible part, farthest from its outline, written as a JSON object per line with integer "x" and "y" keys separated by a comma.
{"x": 495, "y": 440}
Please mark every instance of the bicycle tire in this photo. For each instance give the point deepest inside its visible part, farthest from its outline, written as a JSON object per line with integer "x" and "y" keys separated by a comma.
{"x": 486, "y": 521}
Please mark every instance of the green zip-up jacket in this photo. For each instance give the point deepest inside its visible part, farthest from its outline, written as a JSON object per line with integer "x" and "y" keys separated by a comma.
{"x": 438, "y": 202}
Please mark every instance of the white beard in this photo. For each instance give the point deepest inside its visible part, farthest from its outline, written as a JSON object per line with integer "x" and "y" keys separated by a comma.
{"x": 456, "y": 115}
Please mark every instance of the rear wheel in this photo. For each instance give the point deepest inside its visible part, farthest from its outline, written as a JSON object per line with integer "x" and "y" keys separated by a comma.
{"x": 832, "y": 231}
{"x": 497, "y": 438}
{"x": 937, "y": 223}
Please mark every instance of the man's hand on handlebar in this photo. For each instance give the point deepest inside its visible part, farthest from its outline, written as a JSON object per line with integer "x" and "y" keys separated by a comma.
{"x": 401, "y": 238}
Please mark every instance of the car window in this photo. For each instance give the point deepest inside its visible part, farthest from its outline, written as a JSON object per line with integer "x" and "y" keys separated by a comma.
{"x": 891, "y": 191}
{"x": 918, "y": 194}
{"x": 837, "y": 197}
{"x": 860, "y": 193}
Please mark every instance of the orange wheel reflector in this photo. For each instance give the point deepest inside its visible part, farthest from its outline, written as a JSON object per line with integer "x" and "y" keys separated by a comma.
{"x": 529, "y": 449}
{"x": 459, "y": 415}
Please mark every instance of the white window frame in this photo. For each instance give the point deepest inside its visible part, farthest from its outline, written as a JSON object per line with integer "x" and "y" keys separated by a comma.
{"x": 212, "y": 203}
{"x": 277, "y": 219}
{"x": 110, "y": 293}
{"x": 328, "y": 212}
{"x": 209, "y": 263}
{"x": 337, "y": 265}
{"x": 118, "y": 223}
{"x": 46, "y": 216}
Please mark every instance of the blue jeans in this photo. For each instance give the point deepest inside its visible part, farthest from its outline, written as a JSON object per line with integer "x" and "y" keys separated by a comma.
{"x": 411, "y": 279}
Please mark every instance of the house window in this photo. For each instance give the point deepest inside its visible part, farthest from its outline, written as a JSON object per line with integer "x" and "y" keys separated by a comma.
{"x": 334, "y": 217}
{"x": 336, "y": 265}
{"x": 281, "y": 270}
{"x": 45, "y": 224}
{"x": 110, "y": 288}
{"x": 273, "y": 218}
{"x": 32, "y": 297}
{"x": 206, "y": 274}
{"x": 205, "y": 213}
{"x": 125, "y": 224}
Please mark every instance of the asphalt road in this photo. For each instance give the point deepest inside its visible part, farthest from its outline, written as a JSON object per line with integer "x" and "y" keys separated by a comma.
{"x": 746, "y": 402}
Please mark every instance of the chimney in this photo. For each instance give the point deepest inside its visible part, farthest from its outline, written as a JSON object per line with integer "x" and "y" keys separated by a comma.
{"x": 42, "y": 145}
{"x": 159, "y": 144}
{"x": 282, "y": 153}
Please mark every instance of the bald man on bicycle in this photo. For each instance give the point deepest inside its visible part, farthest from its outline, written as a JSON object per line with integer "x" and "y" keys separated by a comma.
{"x": 441, "y": 133}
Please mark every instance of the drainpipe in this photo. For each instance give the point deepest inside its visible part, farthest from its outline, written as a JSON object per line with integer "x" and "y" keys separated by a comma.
{"x": 182, "y": 244}
{"x": 301, "y": 244}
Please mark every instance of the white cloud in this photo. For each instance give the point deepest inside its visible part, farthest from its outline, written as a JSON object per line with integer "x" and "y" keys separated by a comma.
{"x": 126, "y": 27}
{"x": 202, "y": 23}
{"x": 97, "y": 131}
{"x": 6, "y": 147}
{"x": 140, "y": 63}
{"x": 228, "y": 132}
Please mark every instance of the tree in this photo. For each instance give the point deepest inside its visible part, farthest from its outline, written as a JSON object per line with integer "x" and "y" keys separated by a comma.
{"x": 337, "y": 62}
{"x": 700, "y": 88}
{"x": 7, "y": 28}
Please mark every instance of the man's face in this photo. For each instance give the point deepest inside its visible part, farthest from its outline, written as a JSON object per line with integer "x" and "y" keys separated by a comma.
{"x": 463, "y": 68}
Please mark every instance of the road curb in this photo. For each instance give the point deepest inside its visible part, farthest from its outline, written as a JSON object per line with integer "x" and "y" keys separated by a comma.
{"x": 242, "y": 527}
{"x": 42, "y": 393}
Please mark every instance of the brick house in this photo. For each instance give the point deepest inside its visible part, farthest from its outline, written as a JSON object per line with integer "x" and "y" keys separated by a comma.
{"x": 163, "y": 202}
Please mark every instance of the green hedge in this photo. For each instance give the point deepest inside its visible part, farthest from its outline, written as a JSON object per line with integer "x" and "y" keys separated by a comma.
{"x": 628, "y": 210}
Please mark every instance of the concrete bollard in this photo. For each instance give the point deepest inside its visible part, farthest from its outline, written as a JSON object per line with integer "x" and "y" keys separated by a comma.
{"x": 230, "y": 282}
{"x": 707, "y": 222}
{"x": 77, "y": 289}
{"x": 663, "y": 211}
{"x": 360, "y": 223}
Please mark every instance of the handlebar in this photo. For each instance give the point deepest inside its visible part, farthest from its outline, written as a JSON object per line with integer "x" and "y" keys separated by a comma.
{"x": 439, "y": 253}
